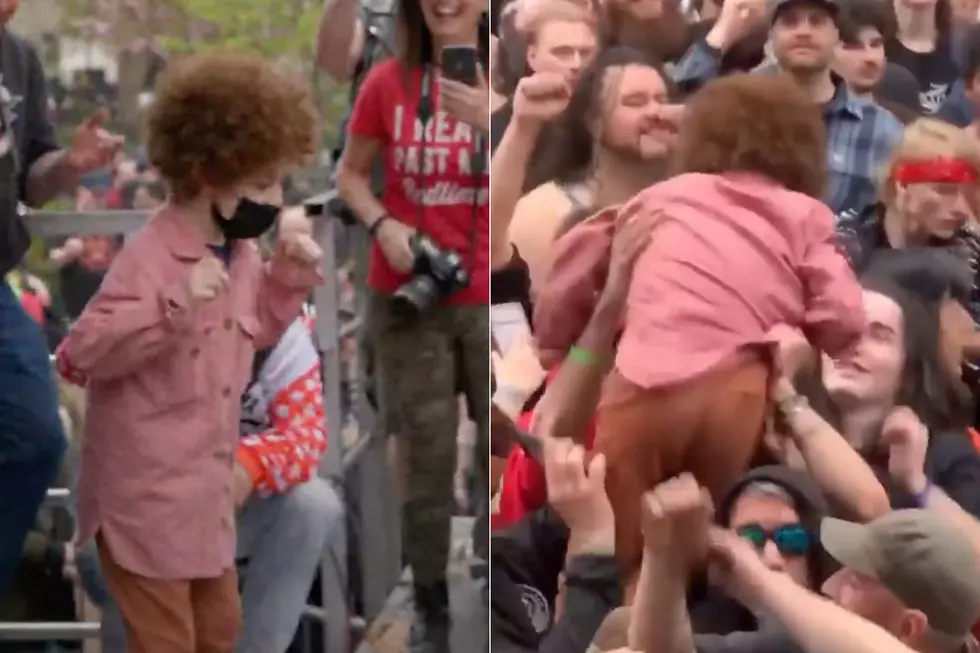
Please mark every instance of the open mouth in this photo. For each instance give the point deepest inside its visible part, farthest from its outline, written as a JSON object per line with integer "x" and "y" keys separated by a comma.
{"x": 447, "y": 10}
{"x": 655, "y": 139}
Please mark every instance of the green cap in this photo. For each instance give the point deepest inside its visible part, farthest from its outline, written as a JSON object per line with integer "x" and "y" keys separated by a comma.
{"x": 928, "y": 563}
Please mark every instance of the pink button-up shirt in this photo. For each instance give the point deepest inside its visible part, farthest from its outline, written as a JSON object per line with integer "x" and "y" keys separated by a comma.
{"x": 164, "y": 396}
{"x": 730, "y": 257}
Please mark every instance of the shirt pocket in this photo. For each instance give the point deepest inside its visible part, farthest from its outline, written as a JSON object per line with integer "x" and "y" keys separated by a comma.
{"x": 175, "y": 380}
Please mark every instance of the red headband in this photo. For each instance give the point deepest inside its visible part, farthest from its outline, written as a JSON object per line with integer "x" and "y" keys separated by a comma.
{"x": 935, "y": 171}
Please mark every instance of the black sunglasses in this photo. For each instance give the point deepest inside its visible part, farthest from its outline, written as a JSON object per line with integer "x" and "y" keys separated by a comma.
{"x": 791, "y": 539}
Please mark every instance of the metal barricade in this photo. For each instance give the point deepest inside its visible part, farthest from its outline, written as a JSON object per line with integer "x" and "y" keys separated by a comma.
{"x": 360, "y": 473}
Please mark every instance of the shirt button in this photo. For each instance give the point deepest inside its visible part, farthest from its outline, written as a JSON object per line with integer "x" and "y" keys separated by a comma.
{"x": 226, "y": 393}
{"x": 195, "y": 352}
{"x": 228, "y": 324}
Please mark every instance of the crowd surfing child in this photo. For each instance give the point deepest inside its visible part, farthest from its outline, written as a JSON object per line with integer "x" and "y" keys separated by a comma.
{"x": 739, "y": 244}
{"x": 166, "y": 348}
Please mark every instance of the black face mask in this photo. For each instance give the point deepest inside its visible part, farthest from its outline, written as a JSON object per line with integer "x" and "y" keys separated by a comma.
{"x": 250, "y": 220}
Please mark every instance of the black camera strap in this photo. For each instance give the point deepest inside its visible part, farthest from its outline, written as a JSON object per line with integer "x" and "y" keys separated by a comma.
{"x": 425, "y": 112}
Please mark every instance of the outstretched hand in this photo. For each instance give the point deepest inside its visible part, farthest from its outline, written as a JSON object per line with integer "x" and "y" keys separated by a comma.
{"x": 734, "y": 564}
{"x": 93, "y": 146}
{"x": 631, "y": 237}
{"x": 792, "y": 350}
{"x": 519, "y": 368}
{"x": 578, "y": 494}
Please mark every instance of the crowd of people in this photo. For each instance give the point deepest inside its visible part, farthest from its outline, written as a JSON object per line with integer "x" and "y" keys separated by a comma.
{"x": 185, "y": 365}
{"x": 742, "y": 244}
{"x": 741, "y": 414}
{"x": 146, "y": 351}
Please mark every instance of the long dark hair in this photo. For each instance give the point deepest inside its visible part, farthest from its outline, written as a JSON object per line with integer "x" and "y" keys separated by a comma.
{"x": 570, "y": 146}
{"x": 925, "y": 386}
{"x": 414, "y": 38}
{"x": 944, "y": 28}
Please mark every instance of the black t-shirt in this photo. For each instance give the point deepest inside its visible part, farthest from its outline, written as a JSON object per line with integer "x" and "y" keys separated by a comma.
{"x": 934, "y": 71}
{"x": 953, "y": 466}
{"x": 78, "y": 285}
{"x": 512, "y": 284}
{"x": 24, "y": 101}
{"x": 899, "y": 87}
{"x": 80, "y": 279}
{"x": 525, "y": 562}
{"x": 25, "y": 90}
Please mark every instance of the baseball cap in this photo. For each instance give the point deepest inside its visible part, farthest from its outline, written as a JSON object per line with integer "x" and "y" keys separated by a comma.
{"x": 921, "y": 558}
{"x": 775, "y": 6}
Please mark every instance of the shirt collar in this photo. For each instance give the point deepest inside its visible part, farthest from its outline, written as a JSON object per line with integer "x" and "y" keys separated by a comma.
{"x": 182, "y": 238}
{"x": 844, "y": 102}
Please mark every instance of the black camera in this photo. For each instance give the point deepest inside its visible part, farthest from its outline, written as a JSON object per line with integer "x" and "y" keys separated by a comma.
{"x": 436, "y": 274}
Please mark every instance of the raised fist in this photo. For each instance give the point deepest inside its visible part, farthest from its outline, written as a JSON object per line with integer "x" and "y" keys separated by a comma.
{"x": 208, "y": 280}
{"x": 541, "y": 97}
{"x": 906, "y": 439}
{"x": 300, "y": 248}
{"x": 676, "y": 517}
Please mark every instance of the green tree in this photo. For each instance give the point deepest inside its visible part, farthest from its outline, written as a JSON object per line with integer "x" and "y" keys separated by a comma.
{"x": 279, "y": 29}
{"x": 274, "y": 28}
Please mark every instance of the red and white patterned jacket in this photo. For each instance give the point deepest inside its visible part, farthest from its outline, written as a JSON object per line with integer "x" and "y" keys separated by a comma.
{"x": 282, "y": 424}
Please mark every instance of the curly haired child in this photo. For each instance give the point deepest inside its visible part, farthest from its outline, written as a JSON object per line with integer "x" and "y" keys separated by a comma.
{"x": 166, "y": 347}
{"x": 738, "y": 244}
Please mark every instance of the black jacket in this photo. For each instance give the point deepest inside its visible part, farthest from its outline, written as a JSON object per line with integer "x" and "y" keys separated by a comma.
{"x": 713, "y": 612}
{"x": 525, "y": 562}
{"x": 24, "y": 103}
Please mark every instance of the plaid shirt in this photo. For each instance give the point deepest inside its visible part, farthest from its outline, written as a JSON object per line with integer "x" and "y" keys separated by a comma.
{"x": 860, "y": 133}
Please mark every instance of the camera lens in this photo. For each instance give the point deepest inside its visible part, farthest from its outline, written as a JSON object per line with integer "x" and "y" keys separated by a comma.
{"x": 416, "y": 296}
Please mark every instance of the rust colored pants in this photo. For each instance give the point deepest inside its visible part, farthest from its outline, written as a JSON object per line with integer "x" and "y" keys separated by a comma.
{"x": 174, "y": 616}
{"x": 710, "y": 426}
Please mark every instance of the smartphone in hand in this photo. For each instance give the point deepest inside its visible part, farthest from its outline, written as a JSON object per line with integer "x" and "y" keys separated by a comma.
{"x": 459, "y": 63}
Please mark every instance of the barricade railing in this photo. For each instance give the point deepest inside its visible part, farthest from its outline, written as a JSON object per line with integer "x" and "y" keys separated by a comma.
{"x": 360, "y": 473}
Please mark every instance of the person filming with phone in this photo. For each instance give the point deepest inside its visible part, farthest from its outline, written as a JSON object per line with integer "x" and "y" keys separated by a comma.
{"x": 425, "y": 113}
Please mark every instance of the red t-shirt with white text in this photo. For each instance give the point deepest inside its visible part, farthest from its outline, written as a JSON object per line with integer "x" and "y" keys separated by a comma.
{"x": 429, "y": 180}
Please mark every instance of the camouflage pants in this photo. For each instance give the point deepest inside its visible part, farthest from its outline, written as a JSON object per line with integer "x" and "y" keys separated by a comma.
{"x": 420, "y": 367}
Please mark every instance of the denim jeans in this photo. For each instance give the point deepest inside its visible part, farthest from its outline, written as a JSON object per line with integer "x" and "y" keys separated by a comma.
{"x": 113, "y": 633}
{"x": 282, "y": 538}
{"x": 32, "y": 437}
